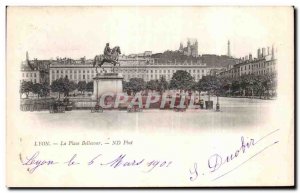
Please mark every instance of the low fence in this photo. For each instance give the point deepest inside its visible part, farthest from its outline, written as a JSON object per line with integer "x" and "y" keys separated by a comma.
{"x": 35, "y": 104}
{"x": 44, "y": 104}
{"x": 87, "y": 103}
{"x": 84, "y": 104}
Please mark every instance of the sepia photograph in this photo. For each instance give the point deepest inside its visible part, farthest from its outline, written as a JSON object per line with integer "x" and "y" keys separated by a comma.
{"x": 111, "y": 96}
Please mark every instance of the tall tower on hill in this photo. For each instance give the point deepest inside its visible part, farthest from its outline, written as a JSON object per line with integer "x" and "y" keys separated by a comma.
{"x": 228, "y": 49}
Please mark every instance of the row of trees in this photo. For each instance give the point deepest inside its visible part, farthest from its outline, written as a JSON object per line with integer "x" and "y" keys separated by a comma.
{"x": 135, "y": 85}
{"x": 246, "y": 85}
{"x": 27, "y": 87}
{"x": 64, "y": 86}
{"x": 61, "y": 86}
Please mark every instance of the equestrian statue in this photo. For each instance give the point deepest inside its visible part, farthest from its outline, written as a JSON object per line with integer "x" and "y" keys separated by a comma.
{"x": 110, "y": 56}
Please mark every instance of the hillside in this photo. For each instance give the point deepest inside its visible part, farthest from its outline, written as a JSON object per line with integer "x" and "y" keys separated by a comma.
{"x": 211, "y": 60}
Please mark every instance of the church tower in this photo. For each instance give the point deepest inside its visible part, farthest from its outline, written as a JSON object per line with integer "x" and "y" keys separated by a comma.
{"x": 228, "y": 49}
{"x": 28, "y": 62}
{"x": 189, "y": 50}
{"x": 196, "y": 49}
{"x": 181, "y": 47}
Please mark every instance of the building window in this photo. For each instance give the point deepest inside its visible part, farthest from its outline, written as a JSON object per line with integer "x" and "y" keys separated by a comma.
{"x": 83, "y": 77}
{"x": 35, "y": 75}
{"x": 83, "y": 71}
{"x": 30, "y": 75}
{"x": 61, "y": 71}
{"x": 57, "y": 71}
{"x": 202, "y": 71}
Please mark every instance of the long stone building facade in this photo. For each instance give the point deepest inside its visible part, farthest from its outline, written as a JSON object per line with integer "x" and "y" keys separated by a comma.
{"x": 146, "y": 68}
{"x": 264, "y": 64}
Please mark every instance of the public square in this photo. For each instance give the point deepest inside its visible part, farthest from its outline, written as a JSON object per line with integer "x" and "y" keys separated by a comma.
{"x": 235, "y": 113}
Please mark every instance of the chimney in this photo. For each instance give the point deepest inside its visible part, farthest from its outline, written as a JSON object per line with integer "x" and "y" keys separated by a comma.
{"x": 250, "y": 57}
{"x": 258, "y": 53}
{"x": 246, "y": 57}
{"x": 27, "y": 56}
{"x": 263, "y": 52}
{"x": 268, "y": 50}
{"x": 273, "y": 57}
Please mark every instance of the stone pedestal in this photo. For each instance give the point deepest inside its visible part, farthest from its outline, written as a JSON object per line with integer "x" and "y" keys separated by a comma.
{"x": 107, "y": 82}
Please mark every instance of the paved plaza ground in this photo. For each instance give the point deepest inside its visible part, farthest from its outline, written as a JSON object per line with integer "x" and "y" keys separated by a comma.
{"x": 235, "y": 113}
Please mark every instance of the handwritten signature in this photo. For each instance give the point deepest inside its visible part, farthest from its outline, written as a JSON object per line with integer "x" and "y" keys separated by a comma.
{"x": 216, "y": 161}
{"x": 34, "y": 161}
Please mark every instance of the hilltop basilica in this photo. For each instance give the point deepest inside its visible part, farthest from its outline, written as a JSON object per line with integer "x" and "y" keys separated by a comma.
{"x": 191, "y": 49}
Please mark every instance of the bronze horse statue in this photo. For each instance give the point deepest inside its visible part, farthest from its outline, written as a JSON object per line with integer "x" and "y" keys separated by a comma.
{"x": 99, "y": 60}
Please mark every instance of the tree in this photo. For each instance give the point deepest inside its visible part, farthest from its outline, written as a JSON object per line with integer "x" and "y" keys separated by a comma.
{"x": 81, "y": 86}
{"x": 37, "y": 89}
{"x": 247, "y": 83}
{"x": 182, "y": 80}
{"x": 126, "y": 87}
{"x": 90, "y": 86}
{"x": 58, "y": 86}
{"x": 135, "y": 85}
{"x": 235, "y": 85}
{"x": 26, "y": 87}
{"x": 45, "y": 89}
{"x": 72, "y": 86}
{"x": 162, "y": 84}
{"x": 152, "y": 85}
{"x": 269, "y": 83}
{"x": 225, "y": 85}
{"x": 209, "y": 84}
{"x": 63, "y": 85}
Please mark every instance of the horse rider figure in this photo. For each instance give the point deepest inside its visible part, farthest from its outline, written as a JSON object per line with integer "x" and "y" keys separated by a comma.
{"x": 109, "y": 56}
{"x": 107, "y": 52}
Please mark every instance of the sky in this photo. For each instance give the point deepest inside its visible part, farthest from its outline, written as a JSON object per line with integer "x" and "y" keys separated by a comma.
{"x": 48, "y": 32}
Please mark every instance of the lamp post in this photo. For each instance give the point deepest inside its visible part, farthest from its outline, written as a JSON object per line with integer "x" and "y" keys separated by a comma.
{"x": 217, "y": 105}
{"x": 97, "y": 80}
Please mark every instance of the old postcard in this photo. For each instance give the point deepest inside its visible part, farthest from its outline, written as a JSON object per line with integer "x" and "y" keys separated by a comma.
{"x": 150, "y": 96}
